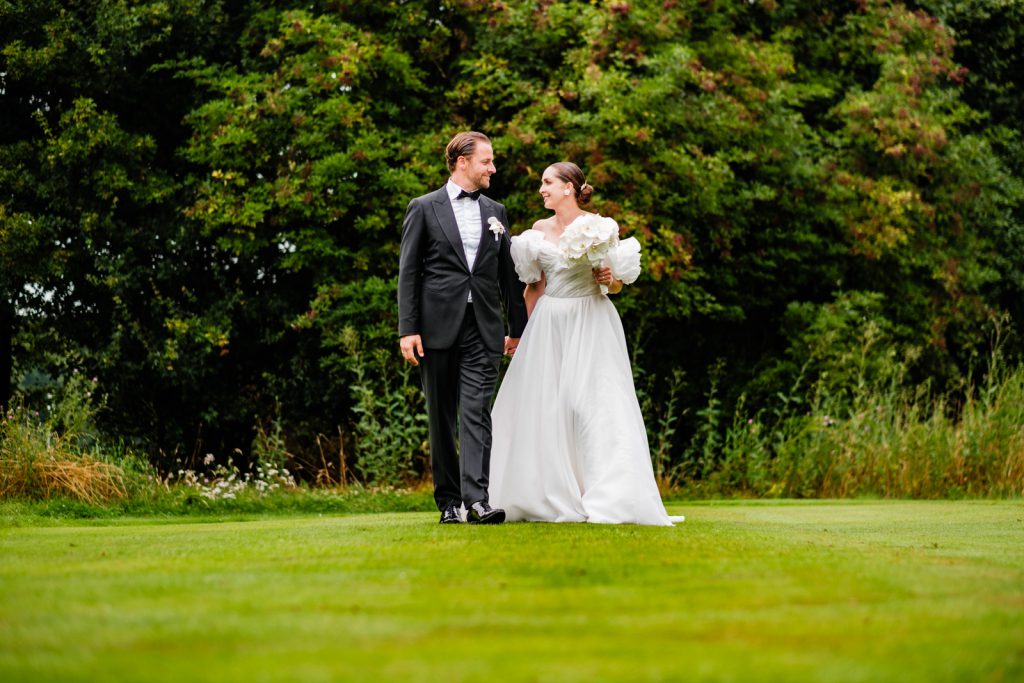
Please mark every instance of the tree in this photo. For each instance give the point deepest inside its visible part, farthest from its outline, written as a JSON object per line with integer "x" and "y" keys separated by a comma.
{"x": 790, "y": 169}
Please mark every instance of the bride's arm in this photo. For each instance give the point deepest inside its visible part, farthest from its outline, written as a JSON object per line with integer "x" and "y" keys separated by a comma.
{"x": 533, "y": 292}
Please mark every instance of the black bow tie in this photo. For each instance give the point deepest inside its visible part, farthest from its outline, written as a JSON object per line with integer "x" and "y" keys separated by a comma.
{"x": 474, "y": 195}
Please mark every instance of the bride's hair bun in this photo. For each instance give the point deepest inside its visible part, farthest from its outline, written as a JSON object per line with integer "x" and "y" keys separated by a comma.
{"x": 584, "y": 194}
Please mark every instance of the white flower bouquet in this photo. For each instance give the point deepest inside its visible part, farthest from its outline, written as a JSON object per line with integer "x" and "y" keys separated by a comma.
{"x": 589, "y": 238}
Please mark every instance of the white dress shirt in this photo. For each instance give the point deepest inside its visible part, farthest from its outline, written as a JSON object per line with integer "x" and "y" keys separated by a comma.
{"x": 467, "y": 216}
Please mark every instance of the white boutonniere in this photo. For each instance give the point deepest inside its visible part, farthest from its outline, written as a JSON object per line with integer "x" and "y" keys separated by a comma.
{"x": 496, "y": 227}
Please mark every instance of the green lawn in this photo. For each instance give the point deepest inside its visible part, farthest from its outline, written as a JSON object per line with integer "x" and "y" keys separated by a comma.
{"x": 751, "y": 591}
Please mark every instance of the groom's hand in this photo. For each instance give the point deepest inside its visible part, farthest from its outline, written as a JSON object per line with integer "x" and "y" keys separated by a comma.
{"x": 511, "y": 345}
{"x": 411, "y": 346}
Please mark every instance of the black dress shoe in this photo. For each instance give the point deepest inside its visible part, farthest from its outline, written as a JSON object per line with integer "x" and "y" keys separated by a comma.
{"x": 482, "y": 513}
{"x": 450, "y": 514}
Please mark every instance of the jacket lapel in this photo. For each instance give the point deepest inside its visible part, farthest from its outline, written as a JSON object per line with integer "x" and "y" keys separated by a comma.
{"x": 486, "y": 211}
{"x": 446, "y": 219}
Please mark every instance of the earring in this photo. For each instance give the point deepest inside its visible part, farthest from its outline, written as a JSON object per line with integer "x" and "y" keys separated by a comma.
{"x": 566, "y": 193}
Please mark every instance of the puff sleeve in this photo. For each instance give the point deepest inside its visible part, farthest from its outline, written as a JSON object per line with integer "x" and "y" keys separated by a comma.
{"x": 525, "y": 251}
{"x": 624, "y": 260}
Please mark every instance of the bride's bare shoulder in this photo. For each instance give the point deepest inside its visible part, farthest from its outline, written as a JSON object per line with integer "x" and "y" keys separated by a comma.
{"x": 544, "y": 225}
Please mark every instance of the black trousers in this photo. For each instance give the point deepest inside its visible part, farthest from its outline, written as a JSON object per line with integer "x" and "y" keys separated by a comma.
{"x": 458, "y": 384}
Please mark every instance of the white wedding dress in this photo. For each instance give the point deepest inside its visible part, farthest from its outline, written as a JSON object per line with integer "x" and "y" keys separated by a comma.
{"x": 569, "y": 443}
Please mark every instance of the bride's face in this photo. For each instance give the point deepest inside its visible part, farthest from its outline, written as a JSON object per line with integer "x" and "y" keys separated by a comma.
{"x": 552, "y": 189}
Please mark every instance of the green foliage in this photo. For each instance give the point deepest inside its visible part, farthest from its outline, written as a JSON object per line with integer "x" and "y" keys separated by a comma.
{"x": 835, "y": 350}
{"x": 391, "y": 421}
{"x": 661, "y": 431}
{"x": 200, "y": 205}
{"x": 878, "y": 437}
{"x": 269, "y": 450}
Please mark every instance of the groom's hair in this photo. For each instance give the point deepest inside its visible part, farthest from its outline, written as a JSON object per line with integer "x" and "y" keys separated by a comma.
{"x": 463, "y": 145}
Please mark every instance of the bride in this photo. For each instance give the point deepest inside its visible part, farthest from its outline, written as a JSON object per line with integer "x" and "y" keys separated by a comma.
{"x": 569, "y": 442}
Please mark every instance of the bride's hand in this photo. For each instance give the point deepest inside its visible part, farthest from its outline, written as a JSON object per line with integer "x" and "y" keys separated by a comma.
{"x": 603, "y": 276}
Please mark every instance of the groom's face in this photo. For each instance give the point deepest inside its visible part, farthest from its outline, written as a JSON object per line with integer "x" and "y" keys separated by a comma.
{"x": 480, "y": 166}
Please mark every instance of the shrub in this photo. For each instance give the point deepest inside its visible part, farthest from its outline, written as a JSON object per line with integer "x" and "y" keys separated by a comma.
{"x": 391, "y": 421}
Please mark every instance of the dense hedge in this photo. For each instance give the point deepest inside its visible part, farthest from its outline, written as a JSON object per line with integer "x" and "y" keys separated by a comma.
{"x": 200, "y": 200}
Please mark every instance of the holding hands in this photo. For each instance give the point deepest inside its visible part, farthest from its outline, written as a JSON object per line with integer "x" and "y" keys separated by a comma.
{"x": 510, "y": 346}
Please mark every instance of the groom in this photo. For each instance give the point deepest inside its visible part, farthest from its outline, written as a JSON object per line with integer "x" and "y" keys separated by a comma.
{"x": 455, "y": 273}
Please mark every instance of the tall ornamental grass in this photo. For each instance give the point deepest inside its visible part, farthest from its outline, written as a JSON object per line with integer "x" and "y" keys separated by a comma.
{"x": 54, "y": 451}
{"x": 37, "y": 464}
{"x": 889, "y": 441}
{"x": 56, "y": 454}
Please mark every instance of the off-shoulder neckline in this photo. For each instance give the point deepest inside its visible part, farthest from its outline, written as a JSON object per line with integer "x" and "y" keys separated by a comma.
{"x": 541, "y": 237}
{"x": 544, "y": 237}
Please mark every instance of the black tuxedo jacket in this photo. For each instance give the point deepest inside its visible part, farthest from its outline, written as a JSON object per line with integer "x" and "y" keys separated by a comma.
{"x": 434, "y": 279}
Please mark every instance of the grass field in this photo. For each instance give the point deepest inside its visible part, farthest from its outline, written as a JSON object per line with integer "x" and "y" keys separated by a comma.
{"x": 749, "y": 591}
